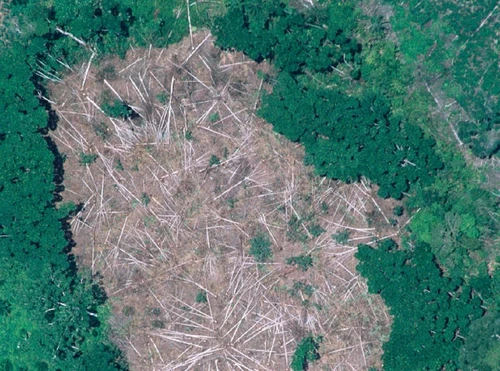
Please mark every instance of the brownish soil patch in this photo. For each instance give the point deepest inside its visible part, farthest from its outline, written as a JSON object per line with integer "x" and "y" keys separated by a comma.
{"x": 171, "y": 204}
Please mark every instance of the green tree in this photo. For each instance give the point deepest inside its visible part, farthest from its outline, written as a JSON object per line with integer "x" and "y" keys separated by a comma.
{"x": 430, "y": 310}
{"x": 307, "y": 351}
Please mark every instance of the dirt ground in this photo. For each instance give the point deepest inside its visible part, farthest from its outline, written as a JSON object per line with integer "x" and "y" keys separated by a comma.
{"x": 172, "y": 197}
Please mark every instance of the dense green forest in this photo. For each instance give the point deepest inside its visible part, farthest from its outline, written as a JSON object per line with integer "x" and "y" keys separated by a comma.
{"x": 353, "y": 87}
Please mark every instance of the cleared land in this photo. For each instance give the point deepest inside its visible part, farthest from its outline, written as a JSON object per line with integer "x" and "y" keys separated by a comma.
{"x": 174, "y": 194}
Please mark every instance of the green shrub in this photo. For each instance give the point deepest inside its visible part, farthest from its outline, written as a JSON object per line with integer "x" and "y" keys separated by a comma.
{"x": 157, "y": 323}
{"x": 301, "y": 289}
{"x": 87, "y": 158}
{"x": 117, "y": 109}
{"x": 260, "y": 248}
{"x": 155, "y": 311}
{"x": 214, "y": 117}
{"x": 214, "y": 161}
{"x": 201, "y": 297}
{"x": 119, "y": 165}
{"x": 324, "y": 207}
{"x": 315, "y": 230}
{"x": 162, "y": 97}
{"x": 342, "y": 237}
{"x": 145, "y": 199}
{"x": 304, "y": 262}
{"x": 231, "y": 202}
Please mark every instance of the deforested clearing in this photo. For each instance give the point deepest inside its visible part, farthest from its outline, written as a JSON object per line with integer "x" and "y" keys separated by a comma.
{"x": 218, "y": 248}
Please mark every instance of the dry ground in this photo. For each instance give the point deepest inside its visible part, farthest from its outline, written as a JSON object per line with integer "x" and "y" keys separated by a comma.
{"x": 169, "y": 226}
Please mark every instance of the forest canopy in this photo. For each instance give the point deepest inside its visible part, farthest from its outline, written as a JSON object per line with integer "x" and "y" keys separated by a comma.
{"x": 346, "y": 134}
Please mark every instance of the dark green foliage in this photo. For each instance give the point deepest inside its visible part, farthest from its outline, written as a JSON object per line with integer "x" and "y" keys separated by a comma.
{"x": 342, "y": 237}
{"x": 119, "y": 165}
{"x": 482, "y": 345}
{"x": 260, "y": 248}
{"x": 155, "y": 311}
{"x": 214, "y": 161}
{"x": 87, "y": 158}
{"x": 117, "y": 109}
{"x": 429, "y": 310}
{"x": 106, "y": 26}
{"x": 358, "y": 122}
{"x": 201, "y": 297}
{"x": 231, "y": 202}
{"x": 214, "y": 117}
{"x": 307, "y": 351}
{"x": 467, "y": 131}
{"x": 315, "y": 230}
{"x": 5, "y": 308}
{"x": 304, "y": 262}
{"x": 157, "y": 24}
{"x": 158, "y": 323}
{"x": 301, "y": 287}
{"x": 398, "y": 210}
{"x": 145, "y": 199}
{"x": 6, "y": 365}
{"x": 324, "y": 207}
{"x": 486, "y": 144}
{"x": 346, "y": 137}
{"x": 162, "y": 97}
{"x": 272, "y": 30}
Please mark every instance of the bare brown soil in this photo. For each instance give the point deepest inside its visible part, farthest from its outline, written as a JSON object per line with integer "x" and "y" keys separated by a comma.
{"x": 174, "y": 198}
